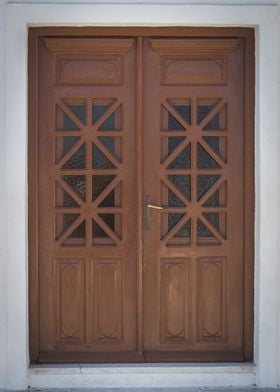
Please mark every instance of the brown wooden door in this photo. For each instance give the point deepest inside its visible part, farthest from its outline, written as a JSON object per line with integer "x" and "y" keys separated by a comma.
{"x": 140, "y": 185}
{"x": 86, "y": 200}
{"x": 193, "y": 168}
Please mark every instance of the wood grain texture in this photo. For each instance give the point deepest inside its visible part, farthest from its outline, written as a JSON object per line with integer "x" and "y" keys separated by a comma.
{"x": 182, "y": 290}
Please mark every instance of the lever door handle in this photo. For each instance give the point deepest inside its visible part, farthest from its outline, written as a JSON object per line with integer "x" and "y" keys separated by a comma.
{"x": 148, "y": 207}
{"x": 154, "y": 207}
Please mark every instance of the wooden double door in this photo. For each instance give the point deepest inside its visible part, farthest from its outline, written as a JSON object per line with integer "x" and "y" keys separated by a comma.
{"x": 141, "y": 210}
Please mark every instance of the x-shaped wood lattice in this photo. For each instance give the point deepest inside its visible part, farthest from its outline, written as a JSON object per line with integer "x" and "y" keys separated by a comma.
{"x": 88, "y": 133}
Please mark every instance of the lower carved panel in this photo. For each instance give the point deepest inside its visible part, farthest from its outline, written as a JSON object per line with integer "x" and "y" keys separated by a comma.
{"x": 69, "y": 278}
{"x": 108, "y": 304}
{"x": 212, "y": 300}
{"x": 174, "y": 299}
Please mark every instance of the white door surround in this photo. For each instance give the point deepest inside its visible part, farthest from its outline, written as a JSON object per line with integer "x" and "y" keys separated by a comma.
{"x": 14, "y": 263}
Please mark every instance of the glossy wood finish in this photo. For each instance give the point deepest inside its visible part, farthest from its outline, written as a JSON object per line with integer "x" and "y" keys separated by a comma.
{"x": 140, "y": 295}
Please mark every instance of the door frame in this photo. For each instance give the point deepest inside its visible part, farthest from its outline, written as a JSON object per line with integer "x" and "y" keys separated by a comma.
{"x": 249, "y": 90}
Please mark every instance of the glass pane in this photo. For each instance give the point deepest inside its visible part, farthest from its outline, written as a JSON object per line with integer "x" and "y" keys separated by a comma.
{"x": 174, "y": 142}
{"x": 182, "y": 183}
{"x": 109, "y": 143}
{"x": 173, "y": 219}
{"x": 109, "y": 219}
{"x": 68, "y": 124}
{"x": 202, "y": 231}
{"x": 77, "y": 160}
{"x": 68, "y": 219}
{"x": 185, "y": 231}
{"x": 204, "y": 183}
{"x": 203, "y": 111}
{"x": 79, "y": 111}
{"x": 173, "y": 200}
{"x": 184, "y": 111}
{"x": 109, "y": 200}
{"x": 183, "y": 160}
{"x": 80, "y": 231}
{"x": 78, "y": 184}
{"x": 99, "y": 159}
{"x": 97, "y": 231}
{"x": 204, "y": 160}
{"x": 63, "y": 199}
{"x": 219, "y": 197}
{"x": 99, "y": 183}
{"x": 213, "y": 218}
{"x": 98, "y": 111}
{"x": 173, "y": 124}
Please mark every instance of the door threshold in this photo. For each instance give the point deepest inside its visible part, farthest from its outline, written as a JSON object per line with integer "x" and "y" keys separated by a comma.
{"x": 144, "y": 375}
{"x": 183, "y": 367}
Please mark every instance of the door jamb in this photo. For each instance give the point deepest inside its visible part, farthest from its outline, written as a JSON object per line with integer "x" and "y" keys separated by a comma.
{"x": 249, "y": 189}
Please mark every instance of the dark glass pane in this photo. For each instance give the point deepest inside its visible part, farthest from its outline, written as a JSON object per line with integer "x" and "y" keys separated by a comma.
{"x": 173, "y": 200}
{"x": 173, "y": 219}
{"x": 174, "y": 142}
{"x": 183, "y": 183}
{"x": 109, "y": 200}
{"x": 109, "y": 143}
{"x": 69, "y": 142}
{"x": 98, "y": 111}
{"x": 109, "y": 124}
{"x": 173, "y": 124}
{"x": 68, "y": 124}
{"x": 80, "y": 231}
{"x": 80, "y": 111}
{"x": 78, "y": 184}
{"x": 184, "y": 111}
{"x": 214, "y": 143}
{"x": 185, "y": 231}
{"x": 97, "y": 231}
{"x": 213, "y": 201}
{"x": 202, "y": 231}
{"x": 204, "y": 160}
{"x": 204, "y": 183}
{"x": 99, "y": 183}
{"x": 203, "y": 110}
{"x": 214, "y": 124}
{"x": 77, "y": 160}
{"x": 183, "y": 160}
{"x": 109, "y": 219}
{"x": 68, "y": 201}
{"x": 68, "y": 219}
{"x": 99, "y": 160}
{"x": 213, "y": 218}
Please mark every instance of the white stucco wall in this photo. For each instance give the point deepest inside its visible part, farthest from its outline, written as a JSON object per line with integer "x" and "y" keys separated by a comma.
{"x": 3, "y": 258}
{"x": 14, "y": 18}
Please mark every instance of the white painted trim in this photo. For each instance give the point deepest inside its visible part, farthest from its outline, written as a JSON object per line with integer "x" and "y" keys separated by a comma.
{"x": 267, "y": 227}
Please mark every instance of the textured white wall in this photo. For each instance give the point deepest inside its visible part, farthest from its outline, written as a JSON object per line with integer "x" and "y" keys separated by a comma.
{"x": 3, "y": 254}
{"x": 13, "y": 184}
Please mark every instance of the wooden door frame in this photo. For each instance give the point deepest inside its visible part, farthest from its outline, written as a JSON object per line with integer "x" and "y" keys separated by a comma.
{"x": 249, "y": 189}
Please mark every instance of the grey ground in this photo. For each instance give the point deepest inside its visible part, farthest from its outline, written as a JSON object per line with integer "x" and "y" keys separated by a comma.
{"x": 202, "y": 389}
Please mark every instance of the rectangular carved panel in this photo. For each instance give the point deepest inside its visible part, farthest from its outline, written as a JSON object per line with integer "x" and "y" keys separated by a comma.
{"x": 108, "y": 304}
{"x": 175, "y": 297}
{"x": 191, "y": 70}
{"x": 70, "y": 296}
{"x": 88, "y": 69}
{"x": 212, "y": 288}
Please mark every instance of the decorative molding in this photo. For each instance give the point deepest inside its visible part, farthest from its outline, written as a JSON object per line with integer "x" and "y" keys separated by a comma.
{"x": 88, "y": 45}
{"x": 194, "y": 46}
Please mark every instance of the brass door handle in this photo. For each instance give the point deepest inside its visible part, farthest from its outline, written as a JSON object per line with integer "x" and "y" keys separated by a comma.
{"x": 155, "y": 207}
{"x": 148, "y": 207}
